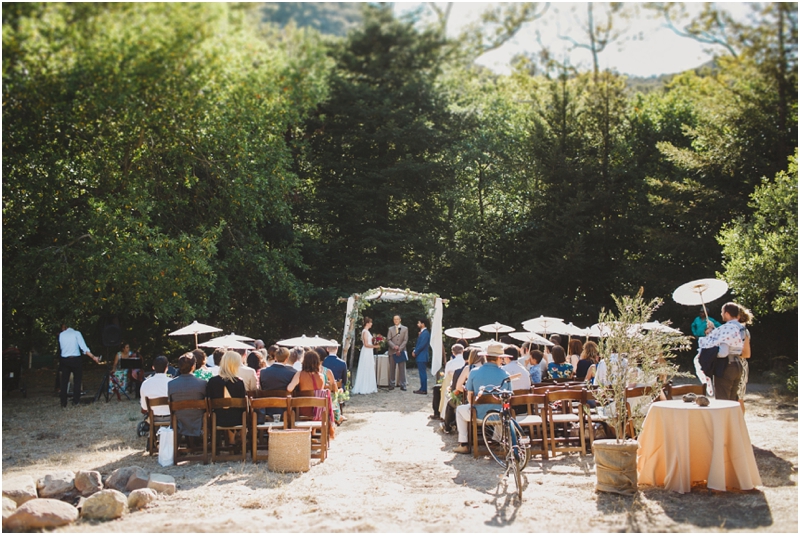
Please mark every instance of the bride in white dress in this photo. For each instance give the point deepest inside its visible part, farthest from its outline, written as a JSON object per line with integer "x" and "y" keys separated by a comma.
{"x": 366, "y": 383}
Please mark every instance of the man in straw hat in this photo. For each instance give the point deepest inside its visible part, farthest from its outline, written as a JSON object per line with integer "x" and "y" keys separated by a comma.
{"x": 488, "y": 375}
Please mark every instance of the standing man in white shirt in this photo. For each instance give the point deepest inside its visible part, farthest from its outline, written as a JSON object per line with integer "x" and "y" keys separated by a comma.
{"x": 72, "y": 344}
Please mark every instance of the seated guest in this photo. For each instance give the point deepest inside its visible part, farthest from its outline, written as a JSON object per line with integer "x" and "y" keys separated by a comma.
{"x": 476, "y": 360}
{"x": 486, "y": 376}
{"x": 296, "y": 358}
{"x": 271, "y": 354}
{"x": 155, "y": 386}
{"x": 574, "y": 350}
{"x": 254, "y": 362}
{"x": 311, "y": 378}
{"x": 246, "y": 373}
{"x": 336, "y": 365}
{"x": 535, "y": 368}
{"x": 215, "y": 358}
{"x": 277, "y": 377}
{"x": 201, "y": 370}
{"x": 227, "y": 384}
{"x": 456, "y": 395}
{"x": 523, "y": 382}
{"x": 187, "y": 387}
{"x": 587, "y": 365}
{"x": 559, "y": 368}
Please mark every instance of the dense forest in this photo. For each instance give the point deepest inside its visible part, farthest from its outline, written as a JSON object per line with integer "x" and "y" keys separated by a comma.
{"x": 221, "y": 162}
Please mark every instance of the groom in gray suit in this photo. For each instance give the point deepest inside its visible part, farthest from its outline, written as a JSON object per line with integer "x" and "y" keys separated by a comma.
{"x": 397, "y": 339}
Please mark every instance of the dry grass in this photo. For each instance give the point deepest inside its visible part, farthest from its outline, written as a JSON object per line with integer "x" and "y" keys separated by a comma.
{"x": 389, "y": 470}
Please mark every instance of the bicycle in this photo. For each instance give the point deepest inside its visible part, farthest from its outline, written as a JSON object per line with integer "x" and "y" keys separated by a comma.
{"x": 503, "y": 437}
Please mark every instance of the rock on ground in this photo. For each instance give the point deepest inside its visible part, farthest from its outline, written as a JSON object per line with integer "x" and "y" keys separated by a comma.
{"x": 88, "y": 482}
{"x": 162, "y": 483}
{"x": 138, "y": 479}
{"x": 9, "y": 507}
{"x": 41, "y": 513}
{"x": 105, "y": 505}
{"x": 119, "y": 478}
{"x": 141, "y": 498}
{"x": 56, "y": 485}
{"x": 20, "y": 489}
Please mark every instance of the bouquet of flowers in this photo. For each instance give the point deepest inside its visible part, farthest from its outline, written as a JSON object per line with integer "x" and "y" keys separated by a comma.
{"x": 379, "y": 341}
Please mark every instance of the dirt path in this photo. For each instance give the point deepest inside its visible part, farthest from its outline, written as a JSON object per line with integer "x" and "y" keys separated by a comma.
{"x": 389, "y": 470}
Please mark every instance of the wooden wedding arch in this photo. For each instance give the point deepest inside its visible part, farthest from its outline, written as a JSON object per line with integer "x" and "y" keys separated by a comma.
{"x": 357, "y": 303}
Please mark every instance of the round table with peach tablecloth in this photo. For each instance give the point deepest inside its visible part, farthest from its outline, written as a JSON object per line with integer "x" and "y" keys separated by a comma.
{"x": 682, "y": 443}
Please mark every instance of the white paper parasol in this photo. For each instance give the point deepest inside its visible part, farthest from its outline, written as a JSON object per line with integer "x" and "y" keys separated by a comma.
{"x": 239, "y": 337}
{"x": 226, "y": 341}
{"x": 599, "y": 330}
{"x": 483, "y": 345}
{"x": 542, "y": 324}
{"x": 527, "y": 336}
{"x": 462, "y": 332}
{"x": 195, "y": 328}
{"x": 305, "y": 341}
{"x": 496, "y": 328}
{"x": 656, "y": 326}
{"x": 700, "y": 292}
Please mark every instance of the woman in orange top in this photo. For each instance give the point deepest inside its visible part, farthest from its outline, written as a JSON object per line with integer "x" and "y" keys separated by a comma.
{"x": 311, "y": 378}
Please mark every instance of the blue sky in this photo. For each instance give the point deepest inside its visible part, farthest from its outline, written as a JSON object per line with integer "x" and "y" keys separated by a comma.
{"x": 646, "y": 48}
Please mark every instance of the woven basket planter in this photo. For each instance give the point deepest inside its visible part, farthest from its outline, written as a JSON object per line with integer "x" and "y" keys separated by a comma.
{"x": 615, "y": 463}
{"x": 289, "y": 450}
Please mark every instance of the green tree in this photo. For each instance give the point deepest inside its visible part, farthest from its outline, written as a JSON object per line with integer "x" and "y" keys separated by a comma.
{"x": 760, "y": 251}
{"x": 146, "y": 167}
{"x": 375, "y": 175}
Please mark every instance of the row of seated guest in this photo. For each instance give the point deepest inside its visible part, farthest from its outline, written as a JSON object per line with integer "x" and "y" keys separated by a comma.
{"x": 227, "y": 380}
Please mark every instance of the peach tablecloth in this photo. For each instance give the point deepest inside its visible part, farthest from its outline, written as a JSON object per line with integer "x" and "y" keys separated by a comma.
{"x": 681, "y": 443}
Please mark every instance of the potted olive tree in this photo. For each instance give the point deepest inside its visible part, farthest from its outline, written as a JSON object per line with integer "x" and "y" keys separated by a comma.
{"x": 629, "y": 355}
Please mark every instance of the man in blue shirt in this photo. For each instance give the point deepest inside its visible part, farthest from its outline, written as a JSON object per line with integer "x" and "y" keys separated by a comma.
{"x": 72, "y": 344}
{"x": 488, "y": 375}
{"x": 421, "y": 352}
{"x": 336, "y": 365}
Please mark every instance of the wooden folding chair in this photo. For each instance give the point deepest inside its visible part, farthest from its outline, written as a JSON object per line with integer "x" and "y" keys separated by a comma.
{"x": 535, "y": 417}
{"x": 570, "y": 412}
{"x": 260, "y": 431}
{"x": 241, "y": 428}
{"x": 634, "y": 392}
{"x": 190, "y": 453}
{"x": 151, "y": 419}
{"x": 543, "y": 389}
{"x": 477, "y": 424}
{"x": 319, "y": 428}
{"x": 677, "y": 391}
{"x": 594, "y": 416}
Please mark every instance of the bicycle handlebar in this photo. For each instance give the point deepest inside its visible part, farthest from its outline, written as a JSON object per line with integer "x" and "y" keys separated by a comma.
{"x": 498, "y": 389}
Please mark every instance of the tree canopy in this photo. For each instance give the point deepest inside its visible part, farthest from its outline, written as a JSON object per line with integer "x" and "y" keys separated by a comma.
{"x": 170, "y": 162}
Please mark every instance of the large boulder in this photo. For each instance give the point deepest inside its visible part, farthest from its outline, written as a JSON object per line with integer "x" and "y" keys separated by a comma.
{"x": 41, "y": 513}
{"x": 20, "y": 489}
{"x": 56, "y": 485}
{"x": 162, "y": 483}
{"x": 138, "y": 479}
{"x": 10, "y": 506}
{"x": 88, "y": 482}
{"x": 141, "y": 498}
{"x": 119, "y": 478}
{"x": 105, "y": 505}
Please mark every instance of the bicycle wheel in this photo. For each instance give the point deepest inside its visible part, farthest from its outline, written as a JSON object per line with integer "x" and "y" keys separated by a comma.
{"x": 521, "y": 444}
{"x": 517, "y": 475}
{"x": 495, "y": 437}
